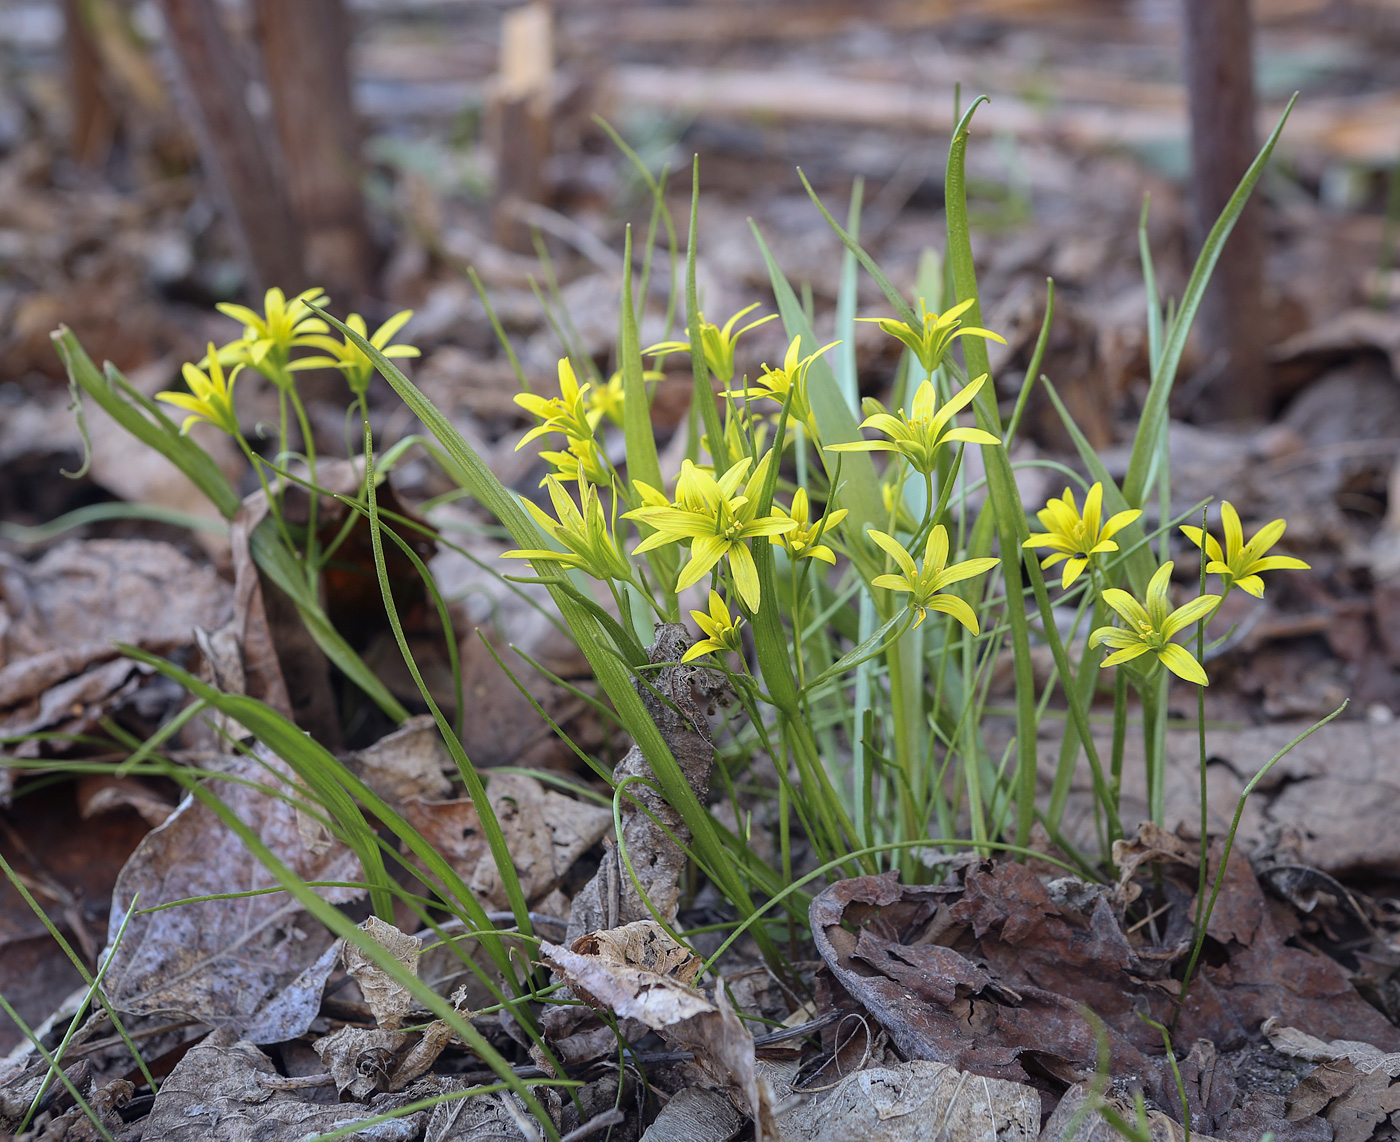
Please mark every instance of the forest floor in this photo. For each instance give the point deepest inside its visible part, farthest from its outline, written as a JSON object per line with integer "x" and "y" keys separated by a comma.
{"x": 1086, "y": 118}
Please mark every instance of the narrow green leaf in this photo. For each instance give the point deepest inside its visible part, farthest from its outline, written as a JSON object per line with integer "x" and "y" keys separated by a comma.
{"x": 153, "y": 429}
{"x": 703, "y": 401}
{"x": 642, "y": 461}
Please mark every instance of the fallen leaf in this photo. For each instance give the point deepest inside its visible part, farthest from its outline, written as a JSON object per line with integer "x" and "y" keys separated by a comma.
{"x": 545, "y": 832}
{"x": 61, "y": 616}
{"x": 643, "y": 943}
{"x": 225, "y": 962}
{"x": 683, "y": 1016}
{"x": 362, "y": 1060}
{"x": 411, "y": 762}
{"x": 695, "y": 1114}
{"x": 482, "y": 1117}
{"x": 388, "y": 999}
{"x": 913, "y": 1102}
{"x": 219, "y": 1093}
{"x": 992, "y": 973}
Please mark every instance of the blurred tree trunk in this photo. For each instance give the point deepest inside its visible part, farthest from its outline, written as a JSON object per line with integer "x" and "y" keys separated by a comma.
{"x": 306, "y": 61}
{"x": 94, "y": 121}
{"x": 241, "y": 162}
{"x": 1219, "y": 66}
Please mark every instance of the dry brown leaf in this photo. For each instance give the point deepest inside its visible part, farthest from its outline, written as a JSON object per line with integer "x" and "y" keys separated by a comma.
{"x": 362, "y": 1060}
{"x": 388, "y": 999}
{"x": 993, "y": 971}
{"x": 103, "y": 793}
{"x": 643, "y": 943}
{"x": 60, "y": 616}
{"x": 711, "y": 1031}
{"x": 226, "y": 962}
{"x": 218, "y": 1093}
{"x": 410, "y": 762}
{"x": 545, "y": 832}
{"x": 695, "y": 1115}
{"x": 913, "y": 1102}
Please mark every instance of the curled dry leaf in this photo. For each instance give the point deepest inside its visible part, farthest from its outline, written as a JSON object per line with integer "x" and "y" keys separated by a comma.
{"x": 683, "y": 1016}
{"x": 545, "y": 832}
{"x": 643, "y": 943}
{"x": 362, "y": 1060}
{"x": 388, "y": 999}
{"x": 218, "y": 1093}
{"x": 915, "y": 1101}
{"x": 226, "y": 962}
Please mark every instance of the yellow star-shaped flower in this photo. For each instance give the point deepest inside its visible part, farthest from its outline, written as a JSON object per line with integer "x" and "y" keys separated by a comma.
{"x": 1075, "y": 537}
{"x": 1239, "y": 563}
{"x": 1149, "y": 629}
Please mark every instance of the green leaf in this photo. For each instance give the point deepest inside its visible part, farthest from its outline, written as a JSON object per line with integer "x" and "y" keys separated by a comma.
{"x": 703, "y": 400}
{"x": 143, "y": 418}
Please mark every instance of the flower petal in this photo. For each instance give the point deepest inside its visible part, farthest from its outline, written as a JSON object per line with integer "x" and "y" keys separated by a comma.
{"x": 1183, "y": 664}
{"x": 1127, "y": 654}
{"x": 1184, "y": 616}
{"x": 745, "y": 575}
{"x": 958, "y": 608}
{"x": 1127, "y": 606}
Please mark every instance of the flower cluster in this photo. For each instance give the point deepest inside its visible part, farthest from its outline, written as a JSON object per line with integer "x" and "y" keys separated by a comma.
{"x": 1082, "y": 538}
{"x": 266, "y": 347}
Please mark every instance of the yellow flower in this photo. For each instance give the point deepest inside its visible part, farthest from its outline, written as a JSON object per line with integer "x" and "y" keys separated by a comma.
{"x": 720, "y": 627}
{"x": 579, "y": 456}
{"x": 210, "y": 397}
{"x": 270, "y": 336}
{"x": 929, "y": 341}
{"x": 925, "y": 583}
{"x": 608, "y": 401}
{"x": 567, "y": 413}
{"x": 1077, "y": 538}
{"x": 803, "y": 541}
{"x": 776, "y": 384}
{"x": 718, "y": 343}
{"x": 1240, "y": 563}
{"x": 350, "y": 359}
{"x": 584, "y": 533}
{"x": 716, "y": 521}
{"x": 919, "y": 437}
{"x": 1150, "y": 629}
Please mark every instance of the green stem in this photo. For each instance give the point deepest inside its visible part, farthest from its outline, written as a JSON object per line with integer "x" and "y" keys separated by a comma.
{"x": 313, "y": 567}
